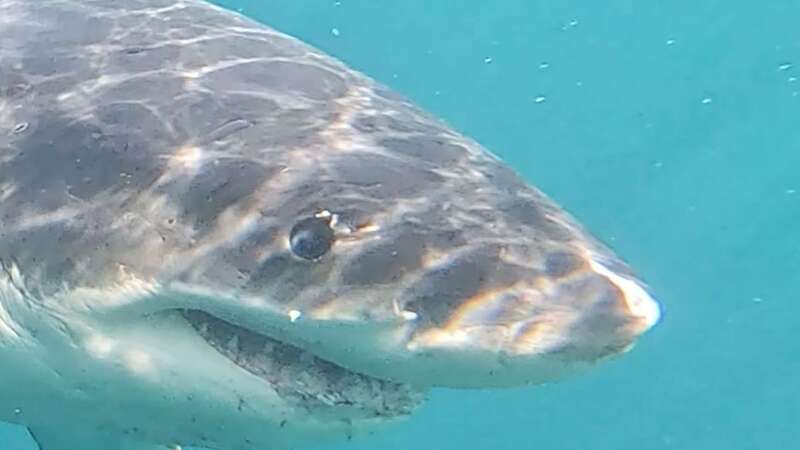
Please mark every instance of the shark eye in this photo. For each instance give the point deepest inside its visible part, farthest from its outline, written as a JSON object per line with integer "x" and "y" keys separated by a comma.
{"x": 311, "y": 238}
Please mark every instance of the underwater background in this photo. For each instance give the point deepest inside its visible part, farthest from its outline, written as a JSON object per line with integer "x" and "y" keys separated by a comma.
{"x": 672, "y": 131}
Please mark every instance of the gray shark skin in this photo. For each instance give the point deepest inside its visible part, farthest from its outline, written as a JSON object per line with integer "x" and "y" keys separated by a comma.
{"x": 212, "y": 234}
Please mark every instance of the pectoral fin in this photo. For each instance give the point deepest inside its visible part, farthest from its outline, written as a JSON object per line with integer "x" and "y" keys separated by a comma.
{"x": 68, "y": 439}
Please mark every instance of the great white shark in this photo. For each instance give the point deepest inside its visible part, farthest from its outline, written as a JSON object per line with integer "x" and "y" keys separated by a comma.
{"x": 213, "y": 234}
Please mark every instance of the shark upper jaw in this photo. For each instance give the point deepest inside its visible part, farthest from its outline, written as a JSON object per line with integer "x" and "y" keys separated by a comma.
{"x": 320, "y": 387}
{"x": 298, "y": 375}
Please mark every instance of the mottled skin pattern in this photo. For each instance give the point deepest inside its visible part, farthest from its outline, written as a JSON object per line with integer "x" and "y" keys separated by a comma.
{"x": 154, "y": 155}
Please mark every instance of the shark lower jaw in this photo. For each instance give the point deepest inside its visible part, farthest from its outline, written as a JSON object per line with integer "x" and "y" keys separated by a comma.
{"x": 322, "y": 387}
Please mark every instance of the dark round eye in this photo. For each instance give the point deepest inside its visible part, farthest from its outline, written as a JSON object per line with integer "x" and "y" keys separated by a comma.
{"x": 311, "y": 238}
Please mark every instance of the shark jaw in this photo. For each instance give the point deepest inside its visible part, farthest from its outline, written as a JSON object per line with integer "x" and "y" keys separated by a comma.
{"x": 319, "y": 386}
{"x": 141, "y": 379}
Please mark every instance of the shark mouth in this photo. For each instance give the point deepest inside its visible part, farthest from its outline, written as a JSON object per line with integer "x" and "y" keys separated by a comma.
{"x": 320, "y": 387}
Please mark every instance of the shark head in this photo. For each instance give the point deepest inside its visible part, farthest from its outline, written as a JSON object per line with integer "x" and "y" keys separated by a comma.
{"x": 214, "y": 235}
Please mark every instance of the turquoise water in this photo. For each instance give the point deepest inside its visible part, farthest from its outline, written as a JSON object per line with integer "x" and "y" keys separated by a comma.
{"x": 671, "y": 130}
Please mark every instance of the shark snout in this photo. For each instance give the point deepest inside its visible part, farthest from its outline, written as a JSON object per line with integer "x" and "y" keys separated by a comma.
{"x": 537, "y": 329}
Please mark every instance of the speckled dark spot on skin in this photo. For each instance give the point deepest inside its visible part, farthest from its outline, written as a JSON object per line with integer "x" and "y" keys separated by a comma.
{"x": 219, "y": 185}
{"x": 392, "y": 96}
{"x": 370, "y": 123}
{"x": 524, "y": 212}
{"x": 503, "y": 178}
{"x": 143, "y": 58}
{"x": 304, "y": 199}
{"x": 286, "y": 77}
{"x": 249, "y": 107}
{"x": 47, "y": 28}
{"x": 434, "y": 228}
{"x": 62, "y": 157}
{"x": 561, "y": 263}
{"x": 408, "y": 123}
{"x": 61, "y": 84}
{"x": 384, "y": 177}
{"x": 195, "y": 117}
{"x": 442, "y": 291}
{"x": 15, "y": 91}
{"x": 386, "y": 262}
{"x": 251, "y": 247}
{"x": 196, "y": 56}
{"x": 241, "y": 258}
{"x": 33, "y": 249}
{"x": 13, "y": 84}
{"x": 432, "y": 150}
{"x": 390, "y": 124}
{"x": 150, "y": 86}
{"x": 124, "y": 118}
{"x": 56, "y": 65}
{"x": 285, "y": 276}
{"x": 447, "y": 239}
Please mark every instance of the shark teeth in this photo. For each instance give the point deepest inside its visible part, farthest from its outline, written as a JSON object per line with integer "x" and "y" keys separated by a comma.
{"x": 301, "y": 377}
{"x": 233, "y": 344}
